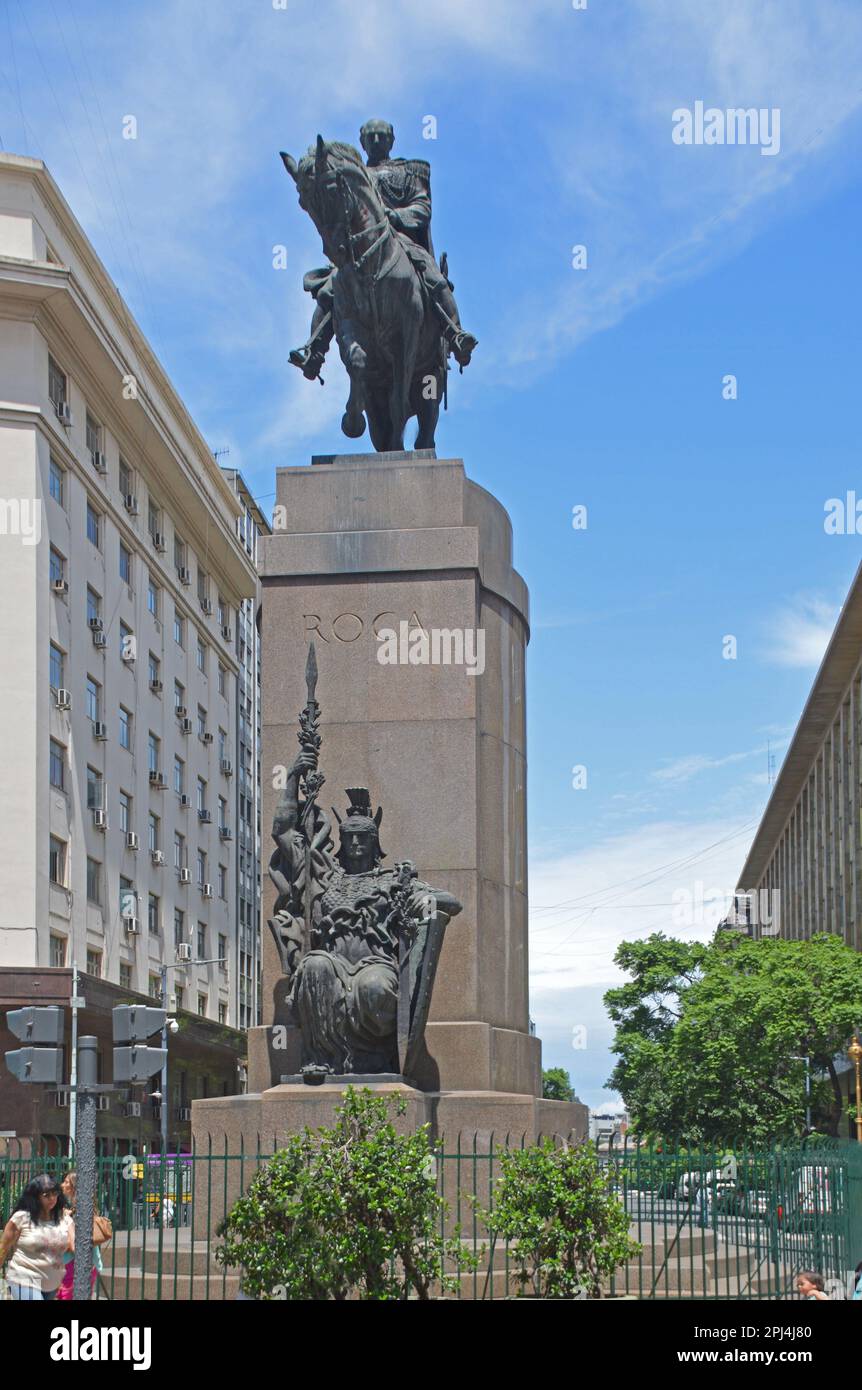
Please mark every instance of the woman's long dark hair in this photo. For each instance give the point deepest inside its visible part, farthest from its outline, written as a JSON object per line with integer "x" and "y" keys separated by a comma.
{"x": 29, "y": 1199}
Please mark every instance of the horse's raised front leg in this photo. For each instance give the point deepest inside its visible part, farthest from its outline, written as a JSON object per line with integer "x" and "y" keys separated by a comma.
{"x": 354, "y": 358}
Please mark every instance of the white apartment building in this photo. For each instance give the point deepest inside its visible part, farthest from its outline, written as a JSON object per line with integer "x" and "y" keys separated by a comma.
{"x": 122, "y": 576}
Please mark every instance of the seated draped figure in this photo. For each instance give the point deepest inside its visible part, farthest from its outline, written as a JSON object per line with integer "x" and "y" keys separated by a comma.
{"x": 351, "y": 934}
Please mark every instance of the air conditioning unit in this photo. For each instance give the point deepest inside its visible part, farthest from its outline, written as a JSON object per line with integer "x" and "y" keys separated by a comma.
{"x": 133, "y": 1109}
{"x": 154, "y": 776}
{"x": 227, "y": 767}
{"x": 206, "y": 890}
{"x": 95, "y": 624}
{"x": 132, "y": 925}
{"x": 131, "y": 840}
{"x": 161, "y": 784}
{"x": 157, "y": 856}
{"x": 227, "y": 633}
{"x": 100, "y": 463}
{"x": 159, "y": 541}
{"x": 99, "y": 639}
{"x": 184, "y": 800}
{"x": 205, "y": 816}
{"x": 156, "y": 686}
{"x": 64, "y": 413}
{"x": 206, "y": 737}
{"x": 180, "y": 711}
{"x": 103, "y": 1102}
{"x": 100, "y": 730}
{"x": 224, "y": 832}
{"x": 184, "y": 574}
{"x": 184, "y": 952}
{"x": 186, "y": 726}
{"x": 60, "y": 586}
{"x": 100, "y": 820}
{"x": 130, "y": 502}
{"x": 206, "y": 606}
{"x": 185, "y": 875}
{"x": 129, "y": 658}
{"x": 64, "y": 699}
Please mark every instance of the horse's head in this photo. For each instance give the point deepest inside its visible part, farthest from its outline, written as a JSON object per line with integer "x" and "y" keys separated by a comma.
{"x": 337, "y": 193}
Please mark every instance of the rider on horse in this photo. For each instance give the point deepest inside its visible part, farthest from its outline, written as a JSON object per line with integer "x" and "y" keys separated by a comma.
{"x": 404, "y": 188}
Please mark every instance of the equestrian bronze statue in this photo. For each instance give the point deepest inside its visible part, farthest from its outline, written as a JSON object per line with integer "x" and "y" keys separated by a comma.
{"x": 358, "y": 943}
{"x": 383, "y": 296}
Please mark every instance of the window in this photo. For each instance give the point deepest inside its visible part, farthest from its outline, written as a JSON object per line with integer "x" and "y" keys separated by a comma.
{"x": 56, "y": 666}
{"x": 179, "y": 850}
{"x": 125, "y": 729}
{"x": 152, "y": 596}
{"x": 94, "y": 881}
{"x": 222, "y": 679}
{"x": 126, "y": 481}
{"x": 222, "y": 881}
{"x": 57, "y": 861}
{"x": 57, "y": 384}
{"x": 154, "y": 518}
{"x": 94, "y": 700}
{"x": 179, "y": 776}
{"x": 57, "y": 482}
{"x": 154, "y": 838}
{"x": 57, "y": 566}
{"x": 94, "y": 963}
{"x": 179, "y": 553}
{"x": 222, "y": 1012}
{"x": 153, "y": 907}
{"x": 202, "y": 721}
{"x": 93, "y": 433}
{"x": 125, "y": 812}
{"x": 202, "y": 941}
{"x": 153, "y": 668}
{"x": 94, "y": 526}
{"x": 222, "y": 813}
{"x": 94, "y": 789}
{"x": 202, "y": 794}
{"x": 222, "y": 744}
{"x": 57, "y": 760}
{"x": 201, "y": 654}
{"x": 128, "y": 898}
{"x": 179, "y": 696}
{"x": 179, "y": 926}
{"x": 58, "y": 951}
{"x": 180, "y": 996}
{"x": 220, "y": 612}
{"x": 125, "y": 564}
{"x": 202, "y": 867}
{"x": 125, "y": 975}
{"x": 128, "y": 646}
{"x": 155, "y": 986}
{"x": 222, "y": 952}
{"x": 179, "y": 628}
{"x": 94, "y": 605}
{"x": 203, "y": 585}
{"x": 153, "y": 750}
{"x": 202, "y": 1004}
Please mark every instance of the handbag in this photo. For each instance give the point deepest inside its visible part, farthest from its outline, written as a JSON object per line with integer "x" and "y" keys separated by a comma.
{"x": 103, "y": 1231}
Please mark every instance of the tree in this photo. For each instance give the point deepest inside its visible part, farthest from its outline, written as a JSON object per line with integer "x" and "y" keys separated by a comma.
{"x": 557, "y": 1084}
{"x": 349, "y": 1210}
{"x": 712, "y": 1039}
{"x": 567, "y": 1233}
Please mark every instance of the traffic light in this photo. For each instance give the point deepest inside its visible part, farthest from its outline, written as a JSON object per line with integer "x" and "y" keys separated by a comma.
{"x": 37, "y": 1025}
{"x": 134, "y": 1024}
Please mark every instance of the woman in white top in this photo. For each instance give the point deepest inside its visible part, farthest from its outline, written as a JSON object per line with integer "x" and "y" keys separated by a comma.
{"x": 36, "y": 1237}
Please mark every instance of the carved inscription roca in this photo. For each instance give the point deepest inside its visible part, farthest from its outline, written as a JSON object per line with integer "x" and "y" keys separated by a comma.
{"x": 349, "y": 627}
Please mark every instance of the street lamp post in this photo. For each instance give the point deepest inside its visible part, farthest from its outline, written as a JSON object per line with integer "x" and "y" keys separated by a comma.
{"x": 854, "y": 1052}
{"x": 215, "y": 960}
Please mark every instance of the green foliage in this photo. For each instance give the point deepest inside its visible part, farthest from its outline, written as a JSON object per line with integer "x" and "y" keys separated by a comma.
{"x": 557, "y": 1084}
{"x": 711, "y": 1038}
{"x": 347, "y": 1211}
{"x": 568, "y": 1232}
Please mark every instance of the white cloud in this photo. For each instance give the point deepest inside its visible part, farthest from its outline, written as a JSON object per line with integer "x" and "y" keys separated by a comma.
{"x": 799, "y": 633}
{"x": 683, "y": 769}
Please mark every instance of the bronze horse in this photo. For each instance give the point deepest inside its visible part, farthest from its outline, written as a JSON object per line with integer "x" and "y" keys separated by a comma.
{"x": 386, "y": 326}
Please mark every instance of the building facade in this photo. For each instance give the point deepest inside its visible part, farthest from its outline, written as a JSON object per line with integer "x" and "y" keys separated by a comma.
{"x": 123, "y": 584}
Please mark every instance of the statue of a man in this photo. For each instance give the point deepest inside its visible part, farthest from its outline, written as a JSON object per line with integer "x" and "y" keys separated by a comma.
{"x": 404, "y": 186}
{"x": 343, "y": 924}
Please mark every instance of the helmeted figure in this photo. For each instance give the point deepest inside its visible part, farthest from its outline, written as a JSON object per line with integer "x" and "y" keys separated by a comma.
{"x": 358, "y": 943}
{"x": 403, "y": 188}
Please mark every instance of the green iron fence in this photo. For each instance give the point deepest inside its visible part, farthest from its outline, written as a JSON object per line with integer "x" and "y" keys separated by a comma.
{"x": 734, "y": 1223}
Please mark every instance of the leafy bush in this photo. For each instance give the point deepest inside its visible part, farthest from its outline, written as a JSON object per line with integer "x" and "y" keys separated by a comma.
{"x": 351, "y": 1210}
{"x": 566, "y": 1230}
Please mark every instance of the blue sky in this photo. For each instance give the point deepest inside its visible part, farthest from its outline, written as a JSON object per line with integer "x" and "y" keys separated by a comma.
{"x": 600, "y": 387}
